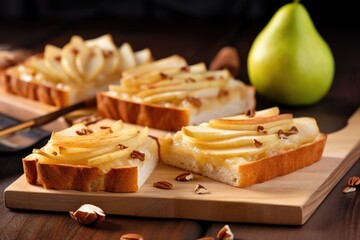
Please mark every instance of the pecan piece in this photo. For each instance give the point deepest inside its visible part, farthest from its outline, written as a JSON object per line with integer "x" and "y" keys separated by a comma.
{"x": 250, "y": 113}
{"x": 84, "y": 131}
{"x": 261, "y": 129}
{"x": 131, "y": 236}
{"x": 200, "y": 189}
{"x": 257, "y": 143}
{"x": 353, "y": 184}
{"x": 163, "y": 185}
{"x": 225, "y": 233}
{"x": 88, "y": 214}
{"x": 184, "y": 177}
{"x": 137, "y": 155}
{"x": 194, "y": 101}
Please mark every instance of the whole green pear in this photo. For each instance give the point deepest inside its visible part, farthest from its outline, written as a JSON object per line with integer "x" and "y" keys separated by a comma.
{"x": 289, "y": 61}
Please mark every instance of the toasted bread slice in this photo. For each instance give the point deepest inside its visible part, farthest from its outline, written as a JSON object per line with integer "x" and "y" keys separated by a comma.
{"x": 245, "y": 150}
{"x": 64, "y": 76}
{"x": 168, "y": 94}
{"x": 108, "y": 158}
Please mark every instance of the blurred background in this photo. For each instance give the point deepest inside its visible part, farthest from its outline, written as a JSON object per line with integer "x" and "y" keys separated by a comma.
{"x": 195, "y": 29}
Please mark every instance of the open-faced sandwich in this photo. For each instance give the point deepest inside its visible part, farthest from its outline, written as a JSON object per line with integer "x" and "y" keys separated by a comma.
{"x": 168, "y": 94}
{"x": 109, "y": 158}
{"x": 63, "y": 76}
{"x": 245, "y": 149}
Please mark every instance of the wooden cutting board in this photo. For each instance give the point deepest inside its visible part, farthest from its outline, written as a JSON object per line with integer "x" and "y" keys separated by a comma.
{"x": 290, "y": 199}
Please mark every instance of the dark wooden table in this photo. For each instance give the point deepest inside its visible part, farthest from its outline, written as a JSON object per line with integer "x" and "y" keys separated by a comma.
{"x": 338, "y": 217}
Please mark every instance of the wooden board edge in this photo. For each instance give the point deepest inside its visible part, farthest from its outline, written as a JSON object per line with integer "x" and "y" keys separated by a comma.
{"x": 144, "y": 207}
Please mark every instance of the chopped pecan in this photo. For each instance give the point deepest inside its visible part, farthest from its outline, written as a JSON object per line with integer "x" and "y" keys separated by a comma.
{"x": 163, "y": 185}
{"x": 200, "y": 189}
{"x": 261, "y": 129}
{"x": 190, "y": 80}
{"x": 131, "y": 236}
{"x": 88, "y": 214}
{"x": 185, "y": 69}
{"x": 283, "y": 135}
{"x": 57, "y": 58}
{"x": 184, "y": 177}
{"x": 84, "y": 131}
{"x": 137, "y": 155}
{"x": 74, "y": 51}
{"x": 120, "y": 146}
{"x": 353, "y": 184}
{"x": 194, "y": 101}
{"x": 250, "y": 113}
{"x": 257, "y": 143}
{"x": 225, "y": 233}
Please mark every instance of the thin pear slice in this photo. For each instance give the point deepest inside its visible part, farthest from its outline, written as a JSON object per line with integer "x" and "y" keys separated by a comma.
{"x": 93, "y": 64}
{"x": 167, "y": 97}
{"x": 205, "y": 132}
{"x": 137, "y": 140}
{"x": 117, "y": 138}
{"x": 52, "y": 58}
{"x": 251, "y": 123}
{"x": 110, "y": 52}
{"x": 38, "y": 63}
{"x": 173, "y": 61}
{"x": 82, "y": 56}
{"x": 68, "y": 57}
{"x": 143, "y": 56}
{"x": 269, "y": 112}
{"x": 190, "y": 86}
{"x": 121, "y": 154}
{"x": 236, "y": 142}
{"x": 128, "y": 59}
{"x": 245, "y": 152}
{"x": 60, "y": 160}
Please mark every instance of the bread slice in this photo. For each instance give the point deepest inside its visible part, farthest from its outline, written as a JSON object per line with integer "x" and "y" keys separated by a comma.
{"x": 64, "y": 76}
{"x": 107, "y": 158}
{"x": 168, "y": 94}
{"x": 243, "y": 150}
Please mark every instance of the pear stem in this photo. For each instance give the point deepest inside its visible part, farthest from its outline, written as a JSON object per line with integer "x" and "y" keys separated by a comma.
{"x": 296, "y": 1}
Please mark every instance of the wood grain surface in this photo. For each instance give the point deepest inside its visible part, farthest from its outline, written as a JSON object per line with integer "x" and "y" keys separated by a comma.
{"x": 289, "y": 199}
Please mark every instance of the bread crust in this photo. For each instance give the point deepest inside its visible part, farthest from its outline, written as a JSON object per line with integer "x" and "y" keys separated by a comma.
{"x": 47, "y": 94}
{"x": 247, "y": 174}
{"x": 80, "y": 178}
{"x": 154, "y": 116}
{"x": 85, "y": 179}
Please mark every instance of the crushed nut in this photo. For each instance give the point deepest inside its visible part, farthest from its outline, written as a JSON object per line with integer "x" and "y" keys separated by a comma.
{"x": 88, "y": 214}
{"x": 210, "y": 78}
{"x": 54, "y": 153}
{"x": 250, "y": 113}
{"x": 190, "y": 80}
{"x": 131, "y": 236}
{"x": 137, "y": 155}
{"x": 75, "y": 51}
{"x": 225, "y": 233}
{"x": 121, "y": 146}
{"x": 194, "y": 101}
{"x": 107, "y": 53}
{"x": 104, "y": 127}
{"x": 257, "y": 143}
{"x": 164, "y": 75}
{"x": 353, "y": 185}
{"x": 184, "y": 177}
{"x": 163, "y": 185}
{"x": 200, "y": 189}
{"x": 261, "y": 129}
{"x": 57, "y": 58}
{"x": 185, "y": 69}
{"x": 84, "y": 131}
{"x": 223, "y": 93}
{"x": 283, "y": 135}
